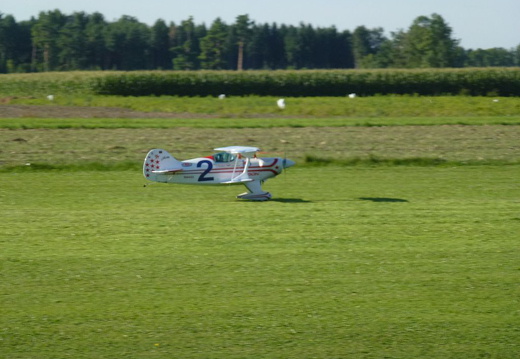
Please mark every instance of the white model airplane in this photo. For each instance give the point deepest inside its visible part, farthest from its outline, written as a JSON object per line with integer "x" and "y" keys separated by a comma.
{"x": 231, "y": 165}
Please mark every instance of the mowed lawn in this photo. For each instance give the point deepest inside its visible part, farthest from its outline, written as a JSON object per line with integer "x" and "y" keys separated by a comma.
{"x": 344, "y": 262}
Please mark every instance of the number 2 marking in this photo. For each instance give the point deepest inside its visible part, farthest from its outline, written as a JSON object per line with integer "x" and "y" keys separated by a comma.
{"x": 203, "y": 177}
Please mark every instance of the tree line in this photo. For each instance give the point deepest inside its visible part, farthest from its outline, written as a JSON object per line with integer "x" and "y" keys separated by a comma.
{"x": 59, "y": 42}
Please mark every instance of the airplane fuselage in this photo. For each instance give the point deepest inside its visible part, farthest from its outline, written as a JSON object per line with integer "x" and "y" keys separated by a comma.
{"x": 216, "y": 169}
{"x": 206, "y": 171}
{"x": 236, "y": 165}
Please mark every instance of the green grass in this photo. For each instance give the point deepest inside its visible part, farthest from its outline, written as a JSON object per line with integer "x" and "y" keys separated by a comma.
{"x": 167, "y": 123}
{"x": 345, "y": 262}
{"x": 376, "y": 107}
{"x": 395, "y": 236}
{"x": 78, "y": 148}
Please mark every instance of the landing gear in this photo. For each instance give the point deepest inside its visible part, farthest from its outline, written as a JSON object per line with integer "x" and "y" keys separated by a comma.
{"x": 255, "y": 196}
{"x": 255, "y": 192}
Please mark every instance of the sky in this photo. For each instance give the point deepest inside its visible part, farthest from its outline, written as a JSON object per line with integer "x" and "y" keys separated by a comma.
{"x": 475, "y": 23}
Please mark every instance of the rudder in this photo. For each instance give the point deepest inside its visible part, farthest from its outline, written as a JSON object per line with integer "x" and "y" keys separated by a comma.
{"x": 158, "y": 163}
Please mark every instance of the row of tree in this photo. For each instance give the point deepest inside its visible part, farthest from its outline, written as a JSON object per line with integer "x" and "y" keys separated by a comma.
{"x": 58, "y": 42}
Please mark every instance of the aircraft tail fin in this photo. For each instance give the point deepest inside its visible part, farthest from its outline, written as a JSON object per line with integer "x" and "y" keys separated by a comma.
{"x": 159, "y": 163}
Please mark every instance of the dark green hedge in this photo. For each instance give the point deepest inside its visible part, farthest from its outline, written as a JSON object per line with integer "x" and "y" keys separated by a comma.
{"x": 475, "y": 82}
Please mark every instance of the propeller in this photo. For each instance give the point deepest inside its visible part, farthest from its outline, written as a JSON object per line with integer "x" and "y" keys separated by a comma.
{"x": 286, "y": 163}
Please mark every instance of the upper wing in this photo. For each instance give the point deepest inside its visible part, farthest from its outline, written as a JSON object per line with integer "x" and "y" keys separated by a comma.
{"x": 246, "y": 151}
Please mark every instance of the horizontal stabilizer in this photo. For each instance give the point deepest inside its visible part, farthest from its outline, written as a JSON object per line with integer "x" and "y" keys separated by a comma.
{"x": 167, "y": 170}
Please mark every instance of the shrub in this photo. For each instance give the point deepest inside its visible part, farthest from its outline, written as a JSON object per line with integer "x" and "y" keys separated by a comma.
{"x": 476, "y": 82}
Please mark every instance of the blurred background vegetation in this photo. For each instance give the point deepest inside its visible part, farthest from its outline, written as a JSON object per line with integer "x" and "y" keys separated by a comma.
{"x": 54, "y": 41}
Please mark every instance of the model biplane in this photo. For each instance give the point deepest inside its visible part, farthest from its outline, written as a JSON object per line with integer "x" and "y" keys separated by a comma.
{"x": 230, "y": 165}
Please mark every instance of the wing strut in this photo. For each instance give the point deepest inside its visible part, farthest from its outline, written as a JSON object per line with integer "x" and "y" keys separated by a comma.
{"x": 244, "y": 176}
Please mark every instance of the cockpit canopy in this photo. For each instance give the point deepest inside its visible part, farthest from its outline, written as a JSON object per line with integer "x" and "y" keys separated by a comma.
{"x": 224, "y": 157}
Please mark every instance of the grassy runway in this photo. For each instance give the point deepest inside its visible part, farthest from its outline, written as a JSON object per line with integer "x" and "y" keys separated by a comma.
{"x": 359, "y": 262}
{"x": 394, "y": 236}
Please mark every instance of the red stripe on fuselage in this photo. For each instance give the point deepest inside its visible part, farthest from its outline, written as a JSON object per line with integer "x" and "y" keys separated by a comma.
{"x": 232, "y": 169}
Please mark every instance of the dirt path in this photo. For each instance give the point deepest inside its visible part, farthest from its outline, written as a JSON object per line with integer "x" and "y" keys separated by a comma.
{"x": 13, "y": 111}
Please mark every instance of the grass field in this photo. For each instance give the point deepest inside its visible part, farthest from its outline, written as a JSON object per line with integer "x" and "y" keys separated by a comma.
{"x": 480, "y": 144}
{"x": 394, "y": 262}
{"x": 378, "y": 107}
{"x": 394, "y": 236}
